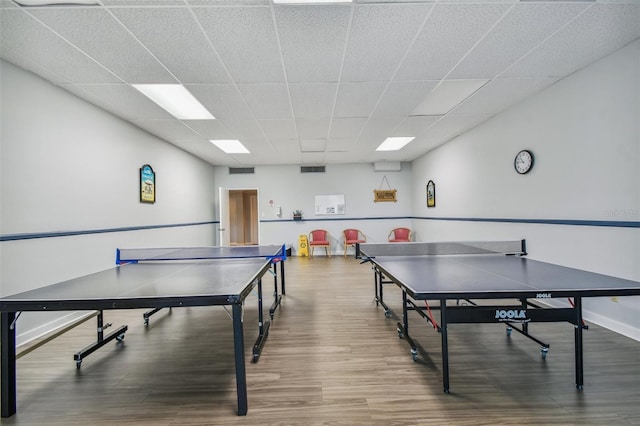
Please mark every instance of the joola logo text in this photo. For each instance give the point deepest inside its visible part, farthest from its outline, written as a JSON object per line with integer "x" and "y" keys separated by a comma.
{"x": 511, "y": 314}
{"x": 543, "y": 295}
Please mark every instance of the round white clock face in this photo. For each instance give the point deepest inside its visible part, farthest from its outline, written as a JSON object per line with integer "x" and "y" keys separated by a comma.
{"x": 523, "y": 162}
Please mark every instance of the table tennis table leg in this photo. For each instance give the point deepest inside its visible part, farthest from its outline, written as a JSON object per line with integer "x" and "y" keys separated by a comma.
{"x": 378, "y": 282}
{"x": 445, "y": 345}
{"x": 8, "y": 356}
{"x": 263, "y": 327}
{"x": 578, "y": 342}
{"x": 276, "y": 297}
{"x": 282, "y": 289}
{"x": 238, "y": 345}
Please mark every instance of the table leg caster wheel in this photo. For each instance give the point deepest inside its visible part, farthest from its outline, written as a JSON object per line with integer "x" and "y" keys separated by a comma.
{"x": 120, "y": 337}
{"x": 387, "y": 313}
{"x": 509, "y": 329}
{"x": 414, "y": 354}
{"x": 400, "y": 334}
{"x": 78, "y": 364}
{"x": 543, "y": 352}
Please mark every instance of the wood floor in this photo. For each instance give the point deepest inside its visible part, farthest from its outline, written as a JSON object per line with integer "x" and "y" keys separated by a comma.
{"x": 331, "y": 358}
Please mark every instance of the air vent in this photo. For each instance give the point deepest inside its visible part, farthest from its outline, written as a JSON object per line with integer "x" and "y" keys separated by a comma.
{"x": 241, "y": 170}
{"x": 312, "y": 169}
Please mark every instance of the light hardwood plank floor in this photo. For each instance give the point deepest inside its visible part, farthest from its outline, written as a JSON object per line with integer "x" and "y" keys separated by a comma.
{"x": 331, "y": 358}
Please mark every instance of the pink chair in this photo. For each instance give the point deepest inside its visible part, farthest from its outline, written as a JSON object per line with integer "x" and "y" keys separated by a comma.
{"x": 319, "y": 238}
{"x": 400, "y": 235}
{"x": 351, "y": 237}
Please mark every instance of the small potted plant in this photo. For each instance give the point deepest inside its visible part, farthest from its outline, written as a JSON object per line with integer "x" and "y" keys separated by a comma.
{"x": 297, "y": 215}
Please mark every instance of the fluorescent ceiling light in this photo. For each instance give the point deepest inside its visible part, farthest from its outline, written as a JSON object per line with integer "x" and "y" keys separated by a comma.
{"x": 394, "y": 144}
{"x": 232, "y": 146}
{"x": 51, "y": 2}
{"x": 447, "y": 96}
{"x": 177, "y": 100}
{"x": 309, "y": 1}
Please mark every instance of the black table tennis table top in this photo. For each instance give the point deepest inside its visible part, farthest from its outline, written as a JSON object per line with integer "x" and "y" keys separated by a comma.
{"x": 495, "y": 276}
{"x": 171, "y": 282}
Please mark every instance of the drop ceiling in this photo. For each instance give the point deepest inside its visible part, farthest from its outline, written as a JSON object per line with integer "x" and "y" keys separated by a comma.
{"x": 313, "y": 84}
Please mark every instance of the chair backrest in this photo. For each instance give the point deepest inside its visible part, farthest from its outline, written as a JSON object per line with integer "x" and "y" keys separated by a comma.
{"x": 400, "y": 234}
{"x": 318, "y": 235}
{"x": 351, "y": 234}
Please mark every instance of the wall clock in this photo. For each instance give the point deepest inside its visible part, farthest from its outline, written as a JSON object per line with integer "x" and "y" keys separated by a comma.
{"x": 523, "y": 161}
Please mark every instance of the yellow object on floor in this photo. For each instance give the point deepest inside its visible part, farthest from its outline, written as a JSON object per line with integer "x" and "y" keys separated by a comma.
{"x": 303, "y": 246}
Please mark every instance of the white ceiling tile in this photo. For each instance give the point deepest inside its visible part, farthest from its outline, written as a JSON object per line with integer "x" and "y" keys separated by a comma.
{"x": 379, "y": 38}
{"x": 340, "y": 145}
{"x": 378, "y": 130}
{"x": 23, "y": 37}
{"x": 313, "y": 145}
{"x": 402, "y": 97}
{"x": 279, "y": 129}
{"x": 143, "y": 2}
{"x": 224, "y": 101}
{"x": 173, "y": 36}
{"x": 243, "y": 129}
{"x": 446, "y": 96}
{"x": 601, "y": 29}
{"x": 501, "y": 93}
{"x": 450, "y": 32}
{"x": 451, "y": 126}
{"x": 210, "y": 129}
{"x": 119, "y": 52}
{"x": 312, "y": 41}
{"x": 245, "y": 39}
{"x": 170, "y": 130}
{"x": 524, "y": 27}
{"x": 287, "y": 151}
{"x": 358, "y": 99}
{"x": 312, "y": 128}
{"x": 226, "y": 2}
{"x": 312, "y": 100}
{"x": 347, "y": 128}
{"x": 415, "y": 125}
{"x": 313, "y": 157}
{"x": 267, "y": 101}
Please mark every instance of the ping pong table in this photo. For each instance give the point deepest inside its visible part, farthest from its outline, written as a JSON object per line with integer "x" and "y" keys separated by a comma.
{"x": 151, "y": 278}
{"x": 495, "y": 281}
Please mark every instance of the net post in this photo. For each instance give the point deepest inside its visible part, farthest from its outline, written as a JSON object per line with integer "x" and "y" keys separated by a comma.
{"x": 523, "y": 247}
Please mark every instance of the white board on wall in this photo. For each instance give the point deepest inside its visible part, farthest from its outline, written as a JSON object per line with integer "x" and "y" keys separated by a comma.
{"x": 330, "y": 204}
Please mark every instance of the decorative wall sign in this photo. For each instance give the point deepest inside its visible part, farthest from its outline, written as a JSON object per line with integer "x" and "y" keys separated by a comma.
{"x": 147, "y": 184}
{"x": 431, "y": 194}
{"x": 384, "y": 195}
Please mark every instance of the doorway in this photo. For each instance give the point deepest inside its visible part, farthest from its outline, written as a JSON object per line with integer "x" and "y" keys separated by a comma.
{"x": 243, "y": 217}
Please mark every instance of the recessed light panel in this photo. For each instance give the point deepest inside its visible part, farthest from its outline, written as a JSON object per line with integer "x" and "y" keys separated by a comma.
{"x": 394, "y": 143}
{"x": 230, "y": 146}
{"x": 176, "y": 100}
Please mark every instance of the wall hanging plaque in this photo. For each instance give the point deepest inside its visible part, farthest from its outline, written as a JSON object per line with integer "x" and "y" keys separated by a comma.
{"x": 147, "y": 184}
{"x": 384, "y": 195}
{"x": 431, "y": 194}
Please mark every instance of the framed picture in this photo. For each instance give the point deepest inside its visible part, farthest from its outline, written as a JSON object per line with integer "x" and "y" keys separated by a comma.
{"x": 147, "y": 184}
{"x": 431, "y": 194}
{"x": 384, "y": 195}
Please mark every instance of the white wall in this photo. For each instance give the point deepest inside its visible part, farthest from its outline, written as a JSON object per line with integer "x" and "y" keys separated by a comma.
{"x": 584, "y": 133}
{"x": 69, "y": 166}
{"x": 291, "y": 190}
